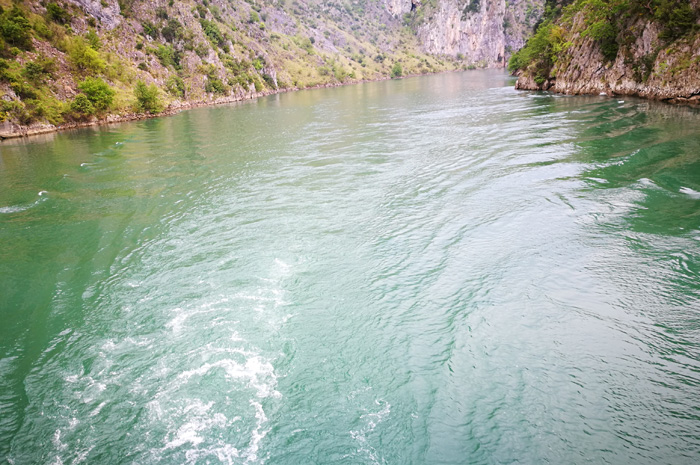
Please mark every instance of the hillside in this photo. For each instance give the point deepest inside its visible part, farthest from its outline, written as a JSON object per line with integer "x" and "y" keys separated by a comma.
{"x": 72, "y": 62}
{"x": 648, "y": 48}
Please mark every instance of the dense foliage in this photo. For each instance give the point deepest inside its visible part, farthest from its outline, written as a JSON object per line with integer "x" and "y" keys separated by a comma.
{"x": 147, "y": 99}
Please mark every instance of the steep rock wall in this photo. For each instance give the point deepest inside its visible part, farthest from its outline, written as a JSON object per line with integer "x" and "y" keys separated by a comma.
{"x": 485, "y": 32}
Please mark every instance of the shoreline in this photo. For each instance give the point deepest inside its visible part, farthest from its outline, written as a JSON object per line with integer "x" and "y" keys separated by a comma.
{"x": 11, "y": 131}
{"x": 687, "y": 97}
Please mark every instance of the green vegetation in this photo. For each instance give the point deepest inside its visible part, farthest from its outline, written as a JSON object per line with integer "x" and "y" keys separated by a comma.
{"x": 541, "y": 52}
{"x": 147, "y": 99}
{"x": 98, "y": 92}
{"x": 39, "y": 70}
{"x": 211, "y": 30}
{"x": 15, "y": 28}
{"x": 81, "y": 107}
{"x": 173, "y": 30}
{"x": 54, "y": 12}
{"x": 168, "y": 56}
{"x": 396, "y": 70}
{"x": 176, "y": 86}
{"x": 472, "y": 7}
{"x": 84, "y": 58}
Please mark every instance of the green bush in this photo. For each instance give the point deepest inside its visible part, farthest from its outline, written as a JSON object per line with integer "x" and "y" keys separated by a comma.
{"x": 173, "y": 30}
{"x": 541, "y": 52}
{"x": 93, "y": 39}
{"x": 161, "y": 12}
{"x": 214, "y": 84}
{"x": 84, "y": 57}
{"x": 168, "y": 56}
{"x": 15, "y": 28}
{"x": 472, "y": 7}
{"x": 175, "y": 86}
{"x": 24, "y": 90}
{"x": 81, "y": 107}
{"x": 37, "y": 70}
{"x": 147, "y": 99}
{"x": 201, "y": 49}
{"x": 57, "y": 14}
{"x": 150, "y": 29}
{"x": 126, "y": 7}
{"x": 396, "y": 70}
{"x": 100, "y": 94}
{"x": 201, "y": 11}
{"x": 677, "y": 17}
{"x": 211, "y": 30}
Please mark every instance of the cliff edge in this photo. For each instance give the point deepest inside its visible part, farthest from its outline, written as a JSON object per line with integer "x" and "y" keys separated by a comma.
{"x": 647, "y": 48}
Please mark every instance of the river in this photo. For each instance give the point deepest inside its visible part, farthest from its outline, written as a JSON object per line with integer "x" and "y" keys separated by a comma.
{"x": 433, "y": 270}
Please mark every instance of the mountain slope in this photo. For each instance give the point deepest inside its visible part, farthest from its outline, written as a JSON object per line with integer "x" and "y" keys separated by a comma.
{"x": 72, "y": 62}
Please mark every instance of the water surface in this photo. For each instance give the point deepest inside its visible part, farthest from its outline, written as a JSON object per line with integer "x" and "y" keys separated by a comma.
{"x": 432, "y": 270}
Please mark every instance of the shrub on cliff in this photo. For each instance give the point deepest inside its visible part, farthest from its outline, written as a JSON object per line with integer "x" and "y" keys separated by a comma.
{"x": 677, "y": 17}
{"x": 15, "y": 28}
{"x": 173, "y": 30}
{"x": 176, "y": 86}
{"x": 540, "y": 53}
{"x": 38, "y": 70}
{"x": 147, "y": 99}
{"x": 81, "y": 107}
{"x": 212, "y": 31}
{"x": 84, "y": 57}
{"x": 57, "y": 14}
{"x": 100, "y": 94}
{"x": 396, "y": 70}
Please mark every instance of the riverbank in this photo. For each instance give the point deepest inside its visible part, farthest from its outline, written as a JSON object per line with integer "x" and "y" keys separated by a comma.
{"x": 684, "y": 96}
{"x": 10, "y": 130}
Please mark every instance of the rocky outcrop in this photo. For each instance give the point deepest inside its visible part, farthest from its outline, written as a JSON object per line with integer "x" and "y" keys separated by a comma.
{"x": 649, "y": 65}
{"x": 107, "y": 12}
{"x": 399, "y": 7}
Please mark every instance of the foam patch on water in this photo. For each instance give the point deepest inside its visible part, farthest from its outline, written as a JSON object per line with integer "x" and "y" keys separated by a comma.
{"x": 177, "y": 324}
{"x": 258, "y": 371}
{"x": 200, "y": 420}
{"x": 43, "y": 195}
{"x": 690, "y": 192}
{"x": 251, "y": 453}
{"x": 372, "y": 419}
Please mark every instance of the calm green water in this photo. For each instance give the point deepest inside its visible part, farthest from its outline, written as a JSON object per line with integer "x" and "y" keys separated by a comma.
{"x": 432, "y": 270}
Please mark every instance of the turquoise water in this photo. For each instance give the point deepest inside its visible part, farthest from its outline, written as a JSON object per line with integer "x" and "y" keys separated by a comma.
{"x": 431, "y": 270}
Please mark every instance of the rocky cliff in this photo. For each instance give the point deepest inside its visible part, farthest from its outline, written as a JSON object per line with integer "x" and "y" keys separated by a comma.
{"x": 485, "y": 32}
{"x": 648, "y": 48}
{"x": 74, "y": 62}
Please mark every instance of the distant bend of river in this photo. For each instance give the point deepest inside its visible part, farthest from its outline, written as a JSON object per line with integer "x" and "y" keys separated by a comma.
{"x": 434, "y": 270}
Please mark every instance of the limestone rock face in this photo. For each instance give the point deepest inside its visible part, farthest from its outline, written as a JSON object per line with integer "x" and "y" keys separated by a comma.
{"x": 399, "y": 7}
{"x": 643, "y": 68}
{"x": 106, "y": 12}
{"x": 485, "y": 32}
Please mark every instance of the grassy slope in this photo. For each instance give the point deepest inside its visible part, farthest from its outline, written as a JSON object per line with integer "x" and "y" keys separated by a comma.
{"x": 189, "y": 51}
